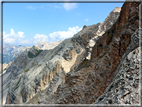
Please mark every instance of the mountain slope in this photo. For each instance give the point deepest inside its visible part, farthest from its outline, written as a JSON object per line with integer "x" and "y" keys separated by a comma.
{"x": 89, "y": 79}
{"x": 11, "y": 51}
{"x": 31, "y": 76}
{"x": 125, "y": 88}
{"x": 82, "y": 68}
{"x": 20, "y": 57}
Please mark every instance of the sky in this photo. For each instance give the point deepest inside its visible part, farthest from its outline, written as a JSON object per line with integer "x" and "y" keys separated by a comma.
{"x": 29, "y": 23}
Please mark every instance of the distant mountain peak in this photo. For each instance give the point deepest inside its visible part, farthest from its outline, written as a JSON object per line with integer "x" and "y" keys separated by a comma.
{"x": 117, "y": 9}
{"x": 46, "y": 46}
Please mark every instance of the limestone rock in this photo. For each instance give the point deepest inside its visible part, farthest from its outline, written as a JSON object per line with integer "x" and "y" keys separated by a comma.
{"x": 66, "y": 75}
{"x": 90, "y": 79}
{"x": 71, "y": 54}
{"x": 47, "y": 46}
{"x": 125, "y": 88}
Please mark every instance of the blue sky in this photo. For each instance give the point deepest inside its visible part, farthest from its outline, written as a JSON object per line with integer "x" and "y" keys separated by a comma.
{"x": 29, "y": 23}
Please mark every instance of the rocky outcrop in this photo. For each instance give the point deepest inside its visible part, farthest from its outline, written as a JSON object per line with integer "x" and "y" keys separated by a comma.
{"x": 91, "y": 77}
{"x": 97, "y": 31}
{"x": 79, "y": 41}
{"x": 79, "y": 69}
{"x": 2, "y": 70}
{"x": 125, "y": 88}
{"x": 42, "y": 75}
{"x": 12, "y": 73}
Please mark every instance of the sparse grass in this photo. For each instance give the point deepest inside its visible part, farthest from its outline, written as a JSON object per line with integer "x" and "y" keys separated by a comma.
{"x": 8, "y": 84}
{"x": 17, "y": 85}
{"x": 134, "y": 52}
{"x": 39, "y": 65}
{"x": 26, "y": 70}
{"x": 81, "y": 65}
{"x": 37, "y": 52}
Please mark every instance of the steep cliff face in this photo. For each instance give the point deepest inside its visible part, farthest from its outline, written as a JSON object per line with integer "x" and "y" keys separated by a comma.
{"x": 80, "y": 68}
{"x": 82, "y": 39}
{"x": 125, "y": 88}
{"x": 90, "y": 78}
{"x": 35, "y": 78}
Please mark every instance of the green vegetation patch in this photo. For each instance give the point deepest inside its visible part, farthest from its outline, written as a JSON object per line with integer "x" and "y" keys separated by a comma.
{"x": 8, "y": 84}
{"x": 26, "y": 70}
{"x": 37, "y": 52}
{"x": 18, "y": 84}
{"x": 134, "y": 52}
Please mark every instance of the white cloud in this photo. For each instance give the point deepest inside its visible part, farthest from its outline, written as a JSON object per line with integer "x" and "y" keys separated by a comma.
{"x": 21, "y": 34}
{"x": 19, "y": 38}
{"x": 10, "y": 40}
{"x": 60, "y": 35}
{"x": 40, "y": 38}
{"x": 12, "y": 32}
{"x": 13, "y": 37}
{"x": 86, "y": 20}
{"x": 26, "y": 42}
{"x": 69, "y": 6}
{"x": 31, "y": 8}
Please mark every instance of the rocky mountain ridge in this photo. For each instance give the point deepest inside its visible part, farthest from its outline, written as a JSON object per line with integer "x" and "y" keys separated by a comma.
{"x": 32, "y": 75}
{"x": 80, "y": 87}
{"x": 125, "y": 87}
{"x": 15, "y": 52}
{"x": 87, "y": 68}
{"x": 11, "y": 51}
{"x": 47, "y": 46}
{"x": 90, "y": 79}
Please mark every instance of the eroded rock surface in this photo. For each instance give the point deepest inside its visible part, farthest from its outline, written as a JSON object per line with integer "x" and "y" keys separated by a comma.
{"x": 91, "y": 77}
{"x": 68, "y": 74}
{"x": 125, "y": 88}
{"x": 41, "y": 76}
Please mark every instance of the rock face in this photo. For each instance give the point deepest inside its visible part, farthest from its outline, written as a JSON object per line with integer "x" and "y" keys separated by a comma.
{"x": 79, "y": 69}
{"x": 31, "y": 79}
{"x": 17, "y": 66}
{"x": 125, "y": 88}
{"x": 4, "y": 68}
{"x": 89, "y": 79}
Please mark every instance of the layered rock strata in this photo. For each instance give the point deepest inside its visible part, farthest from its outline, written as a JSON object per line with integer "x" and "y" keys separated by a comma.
{"x": 67, "y": 75}
{"x": 33, "y": 79}
{"x": 91, "y": 77}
